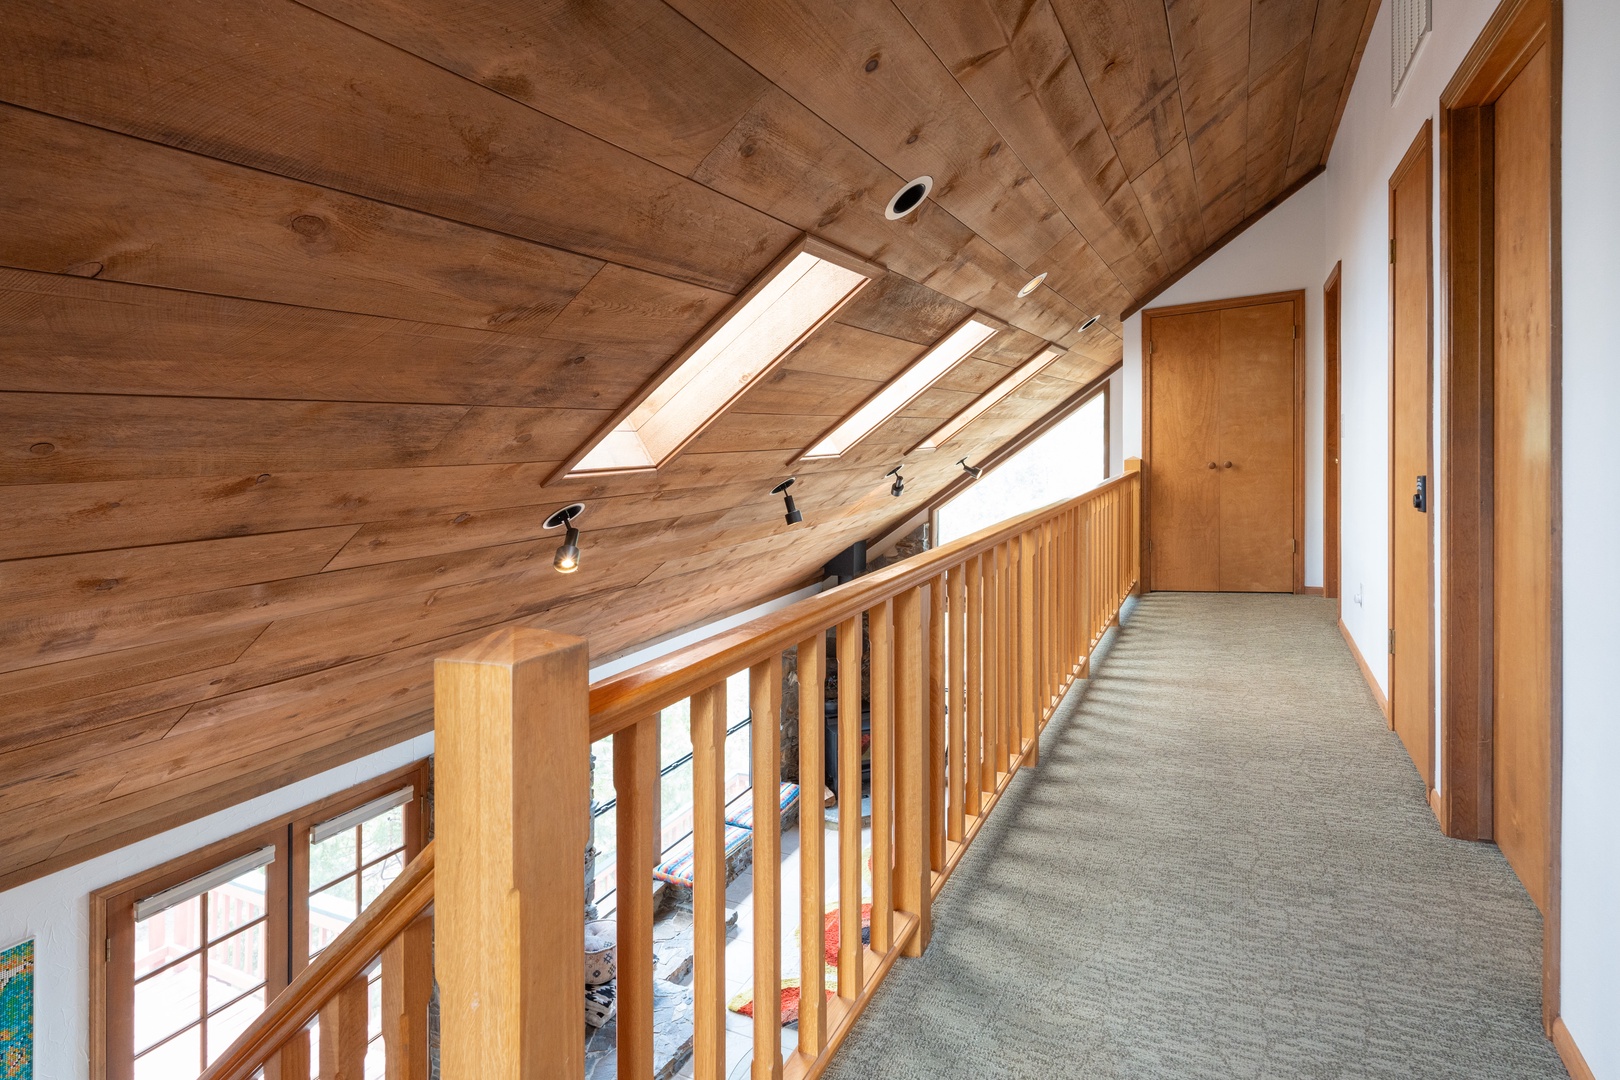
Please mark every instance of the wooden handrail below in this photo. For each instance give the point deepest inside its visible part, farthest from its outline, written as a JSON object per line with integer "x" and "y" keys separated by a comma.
{"x": 360, "y": 943}
{"x": 622, "y": 700}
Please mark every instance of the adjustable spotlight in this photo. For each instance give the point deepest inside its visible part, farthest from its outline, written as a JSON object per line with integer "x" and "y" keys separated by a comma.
{"x": 898, "y": 488}
{"x": 793, "y": 515}
{"x": 566, "y": 561}
{"x": 972, "y": 470}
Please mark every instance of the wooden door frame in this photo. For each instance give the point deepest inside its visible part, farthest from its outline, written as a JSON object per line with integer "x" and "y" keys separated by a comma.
{"x": 1420, "y": 152}
{"x": 1508, "y": 42}
{"x": 1297, "y": 296}
{"x": 1332, "y": 332}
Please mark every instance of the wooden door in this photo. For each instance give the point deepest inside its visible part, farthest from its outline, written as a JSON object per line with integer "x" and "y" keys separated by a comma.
{"x": 1222, "y": 433}
{"x": 1183, "y": 441}
{"x": 1331, "y": 301}
{"x": 1411, "y": 553}
{"x": 1256, "y": 406}
{"x": 1523, "y": 482}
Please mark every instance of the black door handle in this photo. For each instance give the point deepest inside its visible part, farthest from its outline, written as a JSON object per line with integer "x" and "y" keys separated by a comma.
{"x": 1420, "y": 501}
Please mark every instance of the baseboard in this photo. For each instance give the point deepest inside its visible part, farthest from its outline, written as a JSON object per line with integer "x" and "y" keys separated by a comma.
{"x": 1366, "y": 672}
{"x": 1312, "y": 590}
{"x": 1573, "y": 1061}
{"x": 1438, "y": 805}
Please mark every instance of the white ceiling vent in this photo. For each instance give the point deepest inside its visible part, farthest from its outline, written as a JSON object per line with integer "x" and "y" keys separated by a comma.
{"x": 1410, "y": 20}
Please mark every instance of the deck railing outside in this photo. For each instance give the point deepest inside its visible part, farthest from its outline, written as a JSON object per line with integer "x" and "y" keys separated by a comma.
{"x": 969, "y": 648}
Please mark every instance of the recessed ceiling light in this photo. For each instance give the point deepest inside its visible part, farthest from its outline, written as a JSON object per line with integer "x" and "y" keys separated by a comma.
{"x": 1089, "y": 323}
{"x": 909, "y": 198}
{"x": 1031, "y": 285}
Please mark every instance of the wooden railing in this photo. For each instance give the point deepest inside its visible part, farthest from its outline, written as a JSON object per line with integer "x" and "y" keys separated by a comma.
{"x": 397, "y": 931}
{"x": 969, "y": 648}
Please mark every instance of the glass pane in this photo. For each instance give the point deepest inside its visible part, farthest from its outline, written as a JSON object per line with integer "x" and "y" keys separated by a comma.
{"x": 236, "y": 965}
{"x": 675, "y": 732}
{"x": 739, "y": 761}
{"x": 175, "y": 1060}
{"x": 167, "y": 936}
{"x": 236, "y": 903}
{"x": 168, "y": 1001}
{"x": 330, "y": 910}
{"x": 332, "y": 858}
{"x": 677, "y": 798}
{"x": 374, "y": 878}
{"x": 606, "y": 827}
{"x": 737, "y": 702}
{"x": 1059, "y": 465}
{"x": 382, "y": 834}
{"x": 225, "y": 1025}
{"x": 602, "y": 782}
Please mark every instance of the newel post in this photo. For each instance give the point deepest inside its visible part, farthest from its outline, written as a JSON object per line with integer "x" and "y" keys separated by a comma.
{"x": 1137, "y": 501}
{"x": 512, "y": 748}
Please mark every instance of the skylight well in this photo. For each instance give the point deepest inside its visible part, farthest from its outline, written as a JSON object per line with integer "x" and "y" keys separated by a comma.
{"x": 969, "y": 335}
{"x": 1020, "y": 375}
{"x": 800, "y": 291}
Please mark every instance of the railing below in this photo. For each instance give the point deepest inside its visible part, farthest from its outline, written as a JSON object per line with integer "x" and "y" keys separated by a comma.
{"x": 968, "y": 650}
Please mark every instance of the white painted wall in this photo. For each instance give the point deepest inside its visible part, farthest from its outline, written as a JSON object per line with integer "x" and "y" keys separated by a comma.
{"x": 1281, "y": 252}
{"x": 1591, "y": 849}
{"x": 55, "y": 910}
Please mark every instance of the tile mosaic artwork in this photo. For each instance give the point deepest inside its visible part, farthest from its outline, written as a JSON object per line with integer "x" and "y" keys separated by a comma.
{"x": 17, "y": 1012}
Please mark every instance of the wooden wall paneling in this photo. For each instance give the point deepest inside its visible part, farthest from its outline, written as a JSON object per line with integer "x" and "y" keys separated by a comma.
{"x": 1337, "y": 41}
{"x": 1211, "y": 46}
{"x": 1168, "y": 192}
{"x": 1274, "y": 90}
{"x": 312, "y": 126}
{"x": 1332, "y": 311}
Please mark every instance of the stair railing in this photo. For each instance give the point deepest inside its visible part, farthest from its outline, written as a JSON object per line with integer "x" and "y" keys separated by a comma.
{"x": 967, "y": 648}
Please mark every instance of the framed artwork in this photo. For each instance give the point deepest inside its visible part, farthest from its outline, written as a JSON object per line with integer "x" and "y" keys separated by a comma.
{"x": 17, "y": 1012}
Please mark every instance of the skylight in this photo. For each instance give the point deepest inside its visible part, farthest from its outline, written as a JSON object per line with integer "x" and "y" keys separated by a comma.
{"x": 973, "y": 332}
{"x": 1020, "y": 375}
{"x": 800, "y": 291}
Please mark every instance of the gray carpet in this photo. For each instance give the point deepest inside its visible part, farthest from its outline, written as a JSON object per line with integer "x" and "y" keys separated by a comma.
{"x": 1225, "y": 867}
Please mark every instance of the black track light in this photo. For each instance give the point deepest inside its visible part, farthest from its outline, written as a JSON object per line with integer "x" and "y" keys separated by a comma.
{"x": 793, "y": 515}
{"x": 898, "y": 488}
{"x": 972, "y": 470}
{"x": 566, "y": 561}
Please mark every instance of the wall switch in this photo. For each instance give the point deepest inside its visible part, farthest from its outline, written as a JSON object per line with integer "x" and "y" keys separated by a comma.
{"x": 1358, "y": 594}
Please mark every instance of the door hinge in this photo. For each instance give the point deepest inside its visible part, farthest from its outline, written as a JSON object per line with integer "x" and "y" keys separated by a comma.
{"x": 1392, "y": 251}
{"x": 109, "y": 950}
{"x": 1392, "y": 641}
{"x": 1296, "y": 331}
{"x": 1293, "y": 546}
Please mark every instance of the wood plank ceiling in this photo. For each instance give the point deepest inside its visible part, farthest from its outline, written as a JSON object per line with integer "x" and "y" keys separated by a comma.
{"x": 300, "y": 304}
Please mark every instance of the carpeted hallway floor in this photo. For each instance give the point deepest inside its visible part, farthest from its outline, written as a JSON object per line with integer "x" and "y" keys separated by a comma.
{"x": 1225, "y": 867}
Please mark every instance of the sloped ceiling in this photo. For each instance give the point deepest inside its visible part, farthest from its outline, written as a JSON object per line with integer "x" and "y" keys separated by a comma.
{"x": 301, "y": 303}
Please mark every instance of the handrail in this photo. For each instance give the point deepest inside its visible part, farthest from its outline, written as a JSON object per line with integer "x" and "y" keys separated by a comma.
{"x": 628, "y": 697}
{"x": 350, "y": 953}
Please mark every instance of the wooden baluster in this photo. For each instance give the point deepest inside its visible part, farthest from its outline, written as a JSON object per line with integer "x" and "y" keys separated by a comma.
{"x": 709, "y": 883}
{"x": 291, "y": 1062}
{"x": 765, "y": 706}
{"x": 1048, "y": 591}
{"x": 635, "y": 786}
{"x": 991, "y": 668}
{"x": 956, "y": 708}
{"x": 912, "y": 892}
{"x": 509, "y": 904}
{"x": 812, "y": 847}
{"x": 934, "y": 616}
{"x": 850, "y": 975}
{"x": 345, "y": 1031}
{"x": 882, "y": 712}
{"x": 1011, "y": 744}
{"x": 407, "y": 989}
{"x": 977, "y": 753}
{"x": 1029, "y": 697}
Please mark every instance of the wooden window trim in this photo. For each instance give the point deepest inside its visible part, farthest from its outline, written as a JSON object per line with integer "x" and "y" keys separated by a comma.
{"x": 112, "y": 923}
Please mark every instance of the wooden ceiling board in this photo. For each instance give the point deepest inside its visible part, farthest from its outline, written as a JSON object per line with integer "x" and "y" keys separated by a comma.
{"x": 301, "y": 304}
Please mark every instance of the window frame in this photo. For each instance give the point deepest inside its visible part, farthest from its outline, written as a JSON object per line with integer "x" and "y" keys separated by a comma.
{"x": 112, "y": 908}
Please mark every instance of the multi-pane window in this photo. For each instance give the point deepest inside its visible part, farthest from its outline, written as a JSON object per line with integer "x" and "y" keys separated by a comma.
{"x": 201, "y": 966}
{"x": 197, "y": 948}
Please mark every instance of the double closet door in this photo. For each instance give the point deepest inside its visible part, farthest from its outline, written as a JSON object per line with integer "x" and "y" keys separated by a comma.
{"x": 1223, "y": 393}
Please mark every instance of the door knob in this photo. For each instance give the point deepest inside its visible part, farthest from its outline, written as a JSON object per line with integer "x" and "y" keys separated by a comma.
{"x": 1212, "y": 464}
{"x": 1228, "y": 464}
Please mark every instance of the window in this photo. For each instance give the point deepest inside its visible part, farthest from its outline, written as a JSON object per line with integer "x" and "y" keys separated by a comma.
{"x": 196, "y": 948}
{"x": 1062, "y": 463}
{"x": 969, "y": 335}
{"x": 800, "y": 291}
{"x": 1020, "y": 375}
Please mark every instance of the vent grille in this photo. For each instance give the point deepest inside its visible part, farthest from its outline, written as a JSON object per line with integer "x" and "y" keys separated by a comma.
{"x": 1411, "y": 20}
